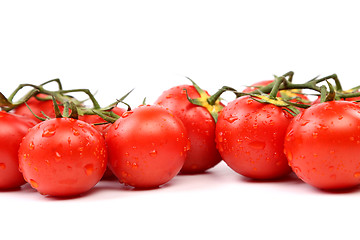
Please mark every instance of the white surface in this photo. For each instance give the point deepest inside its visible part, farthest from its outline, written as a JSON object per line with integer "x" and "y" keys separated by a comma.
{"x": 151, "y": 46}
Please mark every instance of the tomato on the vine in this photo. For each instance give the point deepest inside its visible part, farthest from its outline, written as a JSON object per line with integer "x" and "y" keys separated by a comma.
{"x": 147, "y": 146}
{"x": 63, "y": 157}
{"x": 250, "y": 137}
{"x": 294, "y": 95}
{"x": 37, "y": 107}
{"x": 200, "y": 126}
{"x": 322, "y": 145}
{"x": 12, "y": 129}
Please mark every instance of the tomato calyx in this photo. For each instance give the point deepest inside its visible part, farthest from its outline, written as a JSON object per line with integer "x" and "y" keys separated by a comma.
{"x": 106, "y": 113}
{"x": 211, "y": 103}
{"x": 70, "y": 110}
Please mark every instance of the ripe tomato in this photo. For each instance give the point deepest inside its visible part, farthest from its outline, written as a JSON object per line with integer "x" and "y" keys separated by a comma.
{"x": 63, "y": 157}
{"x": 199, "y": 124}
{"x": 37, "y": 106}
{"x": 250, "y": 137}
{"x": 147, "y": 146}
{"x": 323, "y": 145}
{"x": 12, "y": 129}
{"x": 256, "y": 85}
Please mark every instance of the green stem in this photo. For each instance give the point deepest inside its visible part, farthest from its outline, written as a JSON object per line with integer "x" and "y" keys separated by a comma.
{"x": 213, "y": 98}
{"x": 275, "y": 88}
{"x": 323, "y": 93}
{"x": 338, "y": 86}
{"x": 86, "y": 91}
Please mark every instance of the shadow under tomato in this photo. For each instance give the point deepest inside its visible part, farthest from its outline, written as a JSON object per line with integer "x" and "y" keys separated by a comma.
{"x": 290, "y": 178}
{"x": 350, "y": 190}
{"x": 10, "y": 190}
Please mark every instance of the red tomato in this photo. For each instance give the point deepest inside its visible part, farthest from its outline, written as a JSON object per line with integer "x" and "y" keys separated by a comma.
{"x": 63, "y": 157}
{"x": 323, "y": 145}
{"x": 147, "y": 146}
{"x": 12, "y": 129}
{"x": 256, "y": 85}
{"x": 250, "y": 137}
{"x": 37, "y": 106}
{"x": 199, "y": 124}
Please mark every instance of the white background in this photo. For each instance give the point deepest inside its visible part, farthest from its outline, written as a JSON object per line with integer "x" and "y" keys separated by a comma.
{"x": 114, "y": 46}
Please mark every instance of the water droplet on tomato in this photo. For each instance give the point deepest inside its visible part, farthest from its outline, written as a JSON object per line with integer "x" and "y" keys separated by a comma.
{"x": 75, "y": 132}
{"x": 315, "y": 134}
{"x": 220, "y": 137}
{"x": 31, "y": 145}
{"x": 332, "y": 151}
{"x": 357, "y": 175}
{"x": 340, "y": 117}
{"x": 49, "y": 131}
{"x": 89, "y": 168}
{"x": 220, "y": 147}
{"x": 188, "y": 145}
{"x": 231, "y": 119}
{"x": 304, "y": 123}
{"x": 2, "y": 166}
{"x": 352, "y": 138}
{"x": 297, "y": 170}
{"x": 289, "y": 136}
{"x": 289, "y": 155}
{"x": 257, "y": 145}
{"x": 47, "y": 162}
{"x": 57, "y": 156}
{"x": 33, "y": 183}
{"x": 134, "y": 165}
{"x": 153, "y": 153}
{"x": 126, "y": 114}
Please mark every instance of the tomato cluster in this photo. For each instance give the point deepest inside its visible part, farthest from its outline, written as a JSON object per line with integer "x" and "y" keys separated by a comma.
{"x": 63, "y": 148}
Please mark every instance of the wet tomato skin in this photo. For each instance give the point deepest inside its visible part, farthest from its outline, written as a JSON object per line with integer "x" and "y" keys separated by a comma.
{"x": 12, "y": 129}
{"x": 103, "y": 129}
{"x": 200, "y": 126}
{"x": 63, "y": 157}
{"x": 250, "y": 137}
{"x": 322, "y": 145}
{"x": 147, "y": 147}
